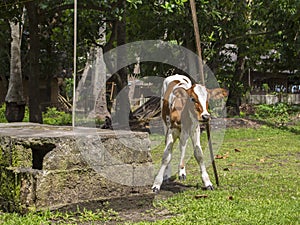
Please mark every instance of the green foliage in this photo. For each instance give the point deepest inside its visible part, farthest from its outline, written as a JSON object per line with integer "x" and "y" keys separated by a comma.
{"x": 69, "y": 88}
{"x": 263, "y": 111}
{"x": 279, "y": 113}
{"x": 254, "y": 28}
{"x": 2, "y": 114}
{"x": 54, "y": 117}
{"x": 242, "y": 114}
{"x": 266, "y": 87}
{"x": 26, "y": 115}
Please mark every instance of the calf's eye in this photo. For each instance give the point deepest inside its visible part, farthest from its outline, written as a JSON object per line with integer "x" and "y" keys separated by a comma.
{"x": 193, "y": 99}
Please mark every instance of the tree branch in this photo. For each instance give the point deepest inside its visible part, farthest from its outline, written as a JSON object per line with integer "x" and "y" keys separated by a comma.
{"x": 247, "y": 35}
{"x": 87, "y": 6}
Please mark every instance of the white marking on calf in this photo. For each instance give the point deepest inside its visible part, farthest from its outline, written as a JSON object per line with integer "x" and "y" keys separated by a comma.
{"x": 183, "y": 105}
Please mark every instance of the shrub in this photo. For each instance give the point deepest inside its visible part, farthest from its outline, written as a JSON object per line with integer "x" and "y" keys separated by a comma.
{"x": 2, "y": 114}
{"x": 277, "y": 113}
{"x": 263, "y": 111}
{"x": 54, "y": 117}
{"x": 26, "y": 116}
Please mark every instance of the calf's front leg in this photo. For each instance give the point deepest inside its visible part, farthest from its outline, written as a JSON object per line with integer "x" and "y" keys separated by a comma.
{"x": 198, "y": 154}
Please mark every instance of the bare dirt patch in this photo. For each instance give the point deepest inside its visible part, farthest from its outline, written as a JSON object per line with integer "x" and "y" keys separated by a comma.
{"x": 148, "y": 212}
{"x": 242, "y": 123}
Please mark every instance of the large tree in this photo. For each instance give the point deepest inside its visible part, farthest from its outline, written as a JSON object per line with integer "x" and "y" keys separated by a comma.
{"x": 12, "y": 21}
{"x": 244, "y": 30}
{"x": 35, "y": 112}
{"x": 49, "y": 26}
{"x": 15, "y": 102}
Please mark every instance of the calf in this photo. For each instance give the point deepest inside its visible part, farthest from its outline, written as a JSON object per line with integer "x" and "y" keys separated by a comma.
{"x": 183, "y": 106}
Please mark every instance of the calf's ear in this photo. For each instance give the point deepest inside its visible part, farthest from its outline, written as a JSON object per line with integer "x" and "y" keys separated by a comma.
{"x": 217, "y": 93}
{"x": 180, "y": 92}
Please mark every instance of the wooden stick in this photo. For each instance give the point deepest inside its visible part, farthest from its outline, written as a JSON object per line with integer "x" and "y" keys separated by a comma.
{"x": 198, "y": 43}
{"x": 212, "y": 157}
{"x": 202, "y": 79}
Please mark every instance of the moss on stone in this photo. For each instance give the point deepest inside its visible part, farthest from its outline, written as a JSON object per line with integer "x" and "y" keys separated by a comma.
{"x": 21, "y": 156}
{"x": 10, "y": 190}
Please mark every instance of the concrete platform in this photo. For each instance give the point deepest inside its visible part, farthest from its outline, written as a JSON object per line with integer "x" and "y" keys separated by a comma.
{"x": 52, "y": 167}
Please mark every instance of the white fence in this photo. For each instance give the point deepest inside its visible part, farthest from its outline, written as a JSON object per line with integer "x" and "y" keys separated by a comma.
{"x": 272, "y": 99}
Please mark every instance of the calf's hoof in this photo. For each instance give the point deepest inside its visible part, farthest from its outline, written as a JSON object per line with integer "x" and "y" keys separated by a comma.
{"x": 182, "y": 177}
{"x": 155, "y": 189}
{"x": 209, "y": 188}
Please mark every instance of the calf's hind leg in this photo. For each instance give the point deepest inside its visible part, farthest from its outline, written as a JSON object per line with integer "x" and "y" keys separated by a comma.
{"x": 182, "y": 146}
{"x": 170, "y": 139}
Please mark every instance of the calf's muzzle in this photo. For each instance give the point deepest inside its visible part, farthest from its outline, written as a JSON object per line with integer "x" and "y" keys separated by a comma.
{"x": 205, "y": 117}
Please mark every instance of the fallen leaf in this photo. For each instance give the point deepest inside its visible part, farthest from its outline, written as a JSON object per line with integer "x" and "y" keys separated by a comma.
{"x": 237, "y": 150}
{"x": 262, "y": 160}
{"x": 201, "y": 196}
{"x": 226, "y": 169}
{"x": 230, "y": 197}
{"x": 222, "y": 156}
{"x": 219, "y": 157}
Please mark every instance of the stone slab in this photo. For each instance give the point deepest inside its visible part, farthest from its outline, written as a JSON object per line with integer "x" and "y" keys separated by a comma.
{"x": 54, "y": 167}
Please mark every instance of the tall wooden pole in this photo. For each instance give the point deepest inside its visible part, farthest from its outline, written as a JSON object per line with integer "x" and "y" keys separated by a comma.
{"x": 202, "y": 80}
{"x": 198, "y": 43}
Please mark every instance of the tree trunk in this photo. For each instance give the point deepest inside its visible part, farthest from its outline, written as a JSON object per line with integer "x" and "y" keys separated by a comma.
{"x": 15, "y": 103}
{"x": 238, "y": 84}
{"x": 35, "y": 113}
{"x": 191, "y": 64}
{"x": 99, "y": 89}
{"x": 123, "y": 112}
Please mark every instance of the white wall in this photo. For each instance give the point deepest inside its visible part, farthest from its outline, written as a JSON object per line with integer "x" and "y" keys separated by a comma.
{"x": 272, "y": 99}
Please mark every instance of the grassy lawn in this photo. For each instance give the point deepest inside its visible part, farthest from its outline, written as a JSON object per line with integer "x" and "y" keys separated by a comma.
{"x": 259, "y": 172}
{"x": 259, "y": 175}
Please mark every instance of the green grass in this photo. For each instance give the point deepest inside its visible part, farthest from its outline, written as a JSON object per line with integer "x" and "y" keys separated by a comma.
{"x": 47, "y": 217}
{"x": 259, "y": 184}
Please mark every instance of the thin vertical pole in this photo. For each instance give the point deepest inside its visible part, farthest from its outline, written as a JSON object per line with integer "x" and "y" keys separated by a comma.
{"x": 198, "y": 43}
{"x": 202, "y": 80}
{"x": 212, "y": 157}
{"x": 74, "y": 63}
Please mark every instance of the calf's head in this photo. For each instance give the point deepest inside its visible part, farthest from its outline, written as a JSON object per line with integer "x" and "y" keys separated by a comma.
{"x": 199, "y": 96}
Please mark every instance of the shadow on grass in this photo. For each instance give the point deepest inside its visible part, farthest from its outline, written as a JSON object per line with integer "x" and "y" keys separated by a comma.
{"x": 278, "y": 126}
{"x": 175, "y": 186}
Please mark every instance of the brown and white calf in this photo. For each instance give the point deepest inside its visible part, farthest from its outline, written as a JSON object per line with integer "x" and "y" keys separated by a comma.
{"x": 183, "y": 106}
